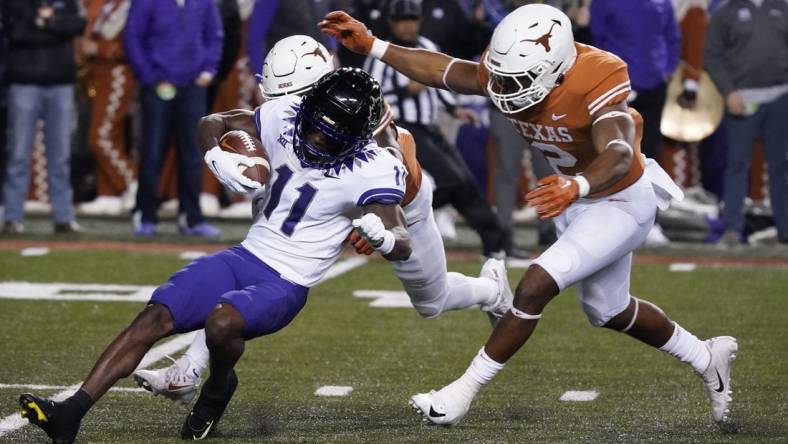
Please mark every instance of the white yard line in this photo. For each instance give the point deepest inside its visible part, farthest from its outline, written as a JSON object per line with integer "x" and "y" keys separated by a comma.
{"x": 579, "y": 395}
{"x": 62, "y": 291}
{"x": 683, "y": 266}
{"x": 15, "y": 421}
{"x": 334, "y": 390}
{"x": 343, "y": 267}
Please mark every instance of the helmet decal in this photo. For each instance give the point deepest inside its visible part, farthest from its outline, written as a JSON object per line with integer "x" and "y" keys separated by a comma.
{"x": 544, "y": 40}
{"x": 317, "y": 53}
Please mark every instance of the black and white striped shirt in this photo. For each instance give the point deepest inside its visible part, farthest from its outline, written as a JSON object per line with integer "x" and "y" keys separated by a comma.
{"x": 418, "y": 109}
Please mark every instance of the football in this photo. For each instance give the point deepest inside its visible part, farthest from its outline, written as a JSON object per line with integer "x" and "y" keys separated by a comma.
{"x": 241, "y": 142}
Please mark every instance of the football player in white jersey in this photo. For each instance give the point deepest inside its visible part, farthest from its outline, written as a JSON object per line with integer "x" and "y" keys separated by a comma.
{"x": 328, "y": 176}
{"x": 292, "y": 67}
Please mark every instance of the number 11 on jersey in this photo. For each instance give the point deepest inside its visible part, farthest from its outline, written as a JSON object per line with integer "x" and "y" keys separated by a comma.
{"x": 306, "y": 193}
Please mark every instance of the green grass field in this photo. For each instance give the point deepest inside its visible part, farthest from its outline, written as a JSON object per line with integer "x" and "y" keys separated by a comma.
{"x": 388, "y": 354}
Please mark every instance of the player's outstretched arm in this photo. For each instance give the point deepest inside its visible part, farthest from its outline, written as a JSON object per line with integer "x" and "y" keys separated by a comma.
{"x": 383, "y": 226}
{"x": 213, "y": 126}
{"x": 426, "y": 67}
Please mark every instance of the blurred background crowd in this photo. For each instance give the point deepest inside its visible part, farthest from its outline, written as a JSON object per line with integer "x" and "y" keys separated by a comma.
{"x": 100, "y": 99}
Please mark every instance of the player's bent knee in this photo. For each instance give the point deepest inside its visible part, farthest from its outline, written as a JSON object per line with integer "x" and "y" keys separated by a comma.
{"x": 427, "y": 309}
{"x": 224, "y": 323}
{"x": 619, "y": 320}
{"x": 535, "y": 290}
{"x": 152, "y": 323}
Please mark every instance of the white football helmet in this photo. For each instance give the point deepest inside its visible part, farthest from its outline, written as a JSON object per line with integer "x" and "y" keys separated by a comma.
{"x": 293, "y": 65}
{"x": 529, "y": 50}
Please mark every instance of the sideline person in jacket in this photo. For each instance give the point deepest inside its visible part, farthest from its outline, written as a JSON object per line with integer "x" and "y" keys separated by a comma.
{"x": 41, "y": 73}
{"x": 174, "y": 48}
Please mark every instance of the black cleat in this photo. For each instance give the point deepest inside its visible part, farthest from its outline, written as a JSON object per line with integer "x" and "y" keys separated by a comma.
{"x": 49, "y": 417}
{"x": 207, "y": 411}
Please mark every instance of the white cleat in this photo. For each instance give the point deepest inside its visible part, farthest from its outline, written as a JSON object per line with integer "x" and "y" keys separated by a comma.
{"x": 495, "y": 269}
{"x": 445, "y": 407}
{"x": 178, "y": 382}
{"x": 717, "y": 377}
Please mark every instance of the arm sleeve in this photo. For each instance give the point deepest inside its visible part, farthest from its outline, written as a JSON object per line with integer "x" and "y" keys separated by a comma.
{"x": 611, "y": 88}
{"x": 213, "y": 37}
{"x": 714, "y": 52}
{"x": 133, "y": 41}
{"x": 383, "y": 181}
{"x": 259, "y": 24}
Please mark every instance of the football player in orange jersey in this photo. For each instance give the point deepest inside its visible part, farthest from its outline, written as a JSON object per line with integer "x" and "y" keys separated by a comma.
{"x": 567, "y": 100}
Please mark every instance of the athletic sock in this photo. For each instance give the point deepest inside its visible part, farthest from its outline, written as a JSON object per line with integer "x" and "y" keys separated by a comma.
{"x": 687, "y": 348}
{"x": 464, "y": 291}
{"x": 77, "y": 405}
{"x": 481, "y": 371}
{"x": 197, "y": 355}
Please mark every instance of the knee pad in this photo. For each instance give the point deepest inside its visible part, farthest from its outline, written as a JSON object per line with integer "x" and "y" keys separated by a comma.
{"x": 428, "y": 309}
{"x": 596, "y": 306}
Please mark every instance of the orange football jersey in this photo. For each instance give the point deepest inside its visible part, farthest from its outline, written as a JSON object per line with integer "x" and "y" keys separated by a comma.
{"x": 560, "y": 125}
{"x": 407, "y": 148}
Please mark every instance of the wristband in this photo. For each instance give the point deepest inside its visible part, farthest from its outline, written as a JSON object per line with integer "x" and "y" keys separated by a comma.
{"x": 691, "y": 84}
{"x": 387, "y": 245}
{"x": 620, "y": 142}
{"x": 379, "y": 48}
{"x": 583, "y": 186}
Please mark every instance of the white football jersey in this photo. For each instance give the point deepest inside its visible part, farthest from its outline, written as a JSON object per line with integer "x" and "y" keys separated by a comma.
{"x": 308, "y": 212}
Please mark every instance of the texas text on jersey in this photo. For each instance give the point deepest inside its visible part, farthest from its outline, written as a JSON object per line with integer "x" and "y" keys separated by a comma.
{"x": 560, "y": 126}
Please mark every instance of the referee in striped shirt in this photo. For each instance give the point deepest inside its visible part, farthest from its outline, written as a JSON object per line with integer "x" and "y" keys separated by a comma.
{"x": 414, "y": 107}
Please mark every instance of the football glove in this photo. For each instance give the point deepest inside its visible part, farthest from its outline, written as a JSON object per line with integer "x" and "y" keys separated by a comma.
{"x": 553, "y": 196}
{"x": 351, "y": 33}
{"x": 224, "y": 166}
{"x": 371, "y": 228}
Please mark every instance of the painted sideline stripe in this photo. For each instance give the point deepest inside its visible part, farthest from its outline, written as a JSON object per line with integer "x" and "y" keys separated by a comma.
{"x": 15, "y": 421}
{"x": 62, "y": 387}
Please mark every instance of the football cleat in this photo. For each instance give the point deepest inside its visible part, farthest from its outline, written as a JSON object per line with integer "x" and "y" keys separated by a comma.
{"x": 178, "y": 382}
{"x": 48, "y": 416}
{"x": 445, "y": 407}
{"x": 207, "y": 411}
{"x": 717, "y": 377}
{"x": 495, "y": 269}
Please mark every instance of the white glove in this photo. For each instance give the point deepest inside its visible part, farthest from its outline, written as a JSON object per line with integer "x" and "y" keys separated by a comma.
{"x": 224, "y": 166}
{"x": 371, "y": 228}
